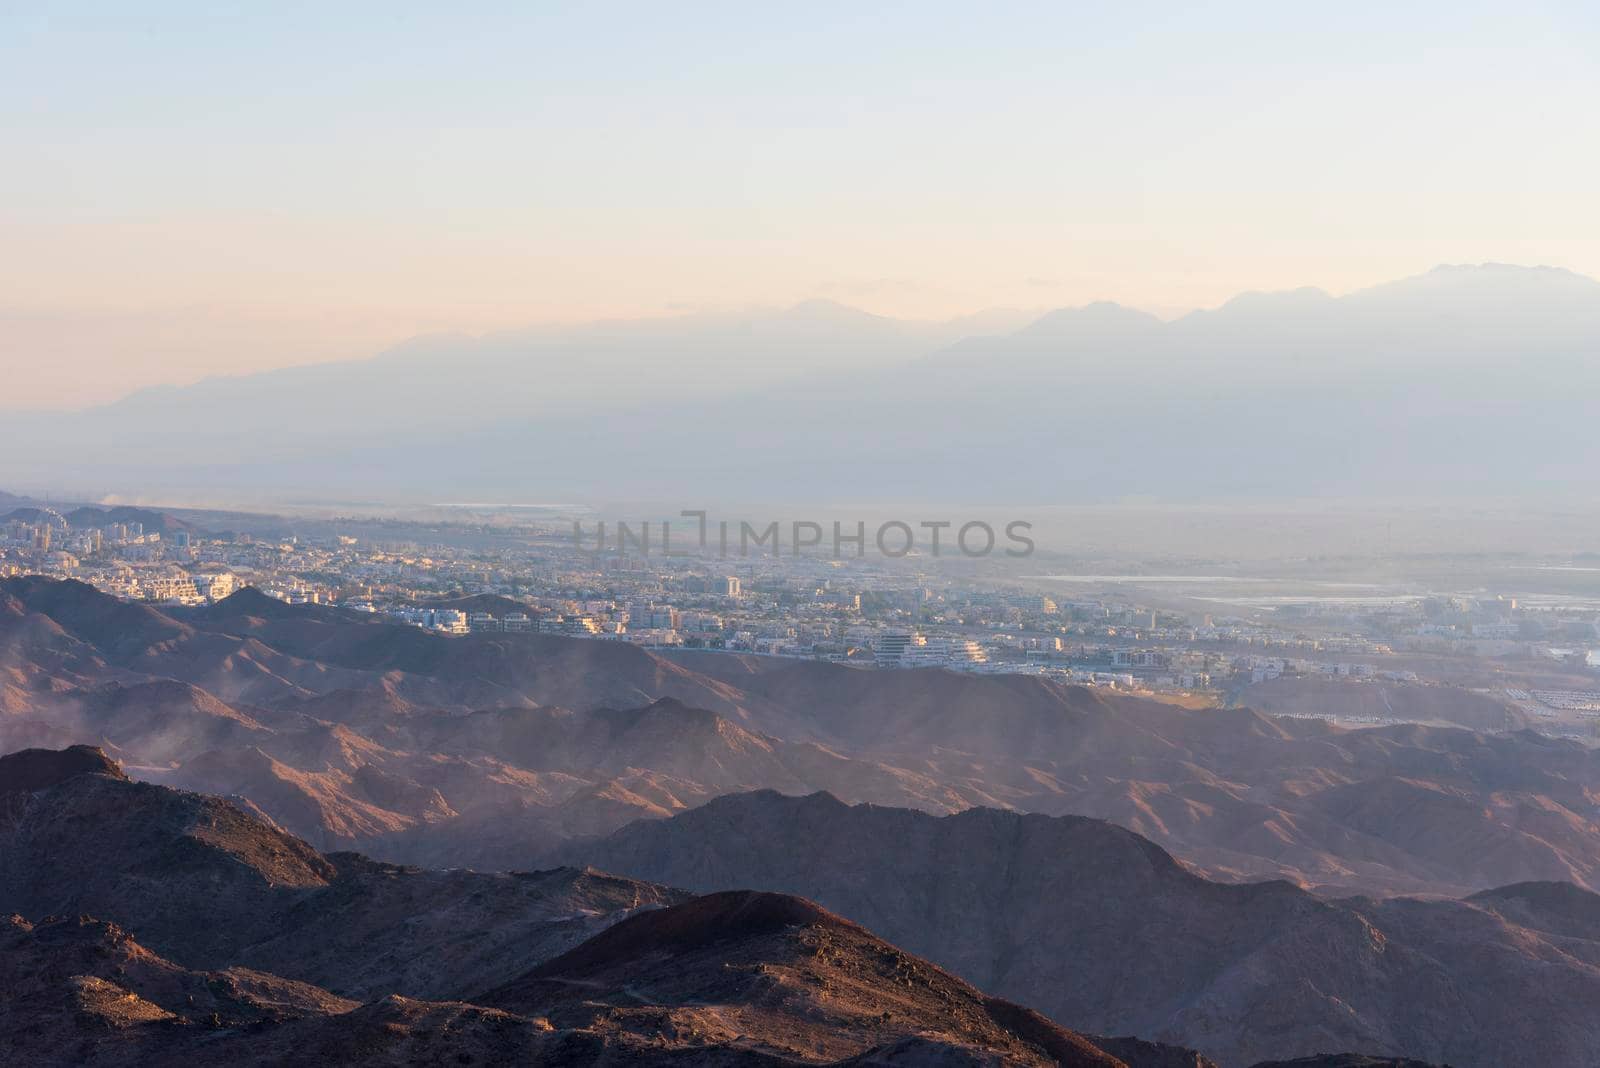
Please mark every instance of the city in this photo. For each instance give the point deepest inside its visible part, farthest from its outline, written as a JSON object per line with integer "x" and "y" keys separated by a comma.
{"x": 831, "y": 535}
{"x": 1536, "y": 659}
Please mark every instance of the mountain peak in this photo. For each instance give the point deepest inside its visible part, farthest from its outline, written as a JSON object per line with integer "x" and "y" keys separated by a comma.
{"x": 700, "y": 922}
{"x": 1096, "y": 318}
{"x": 39, "y": 769}
{"x": 1507, "y": 270}
{"x": 1300, "y": 299}
{"x": 1497, "y": 283}
{"x": 820, "y": 311}
{"x": 248, "y": 601}
{"x": 754, "y": 952}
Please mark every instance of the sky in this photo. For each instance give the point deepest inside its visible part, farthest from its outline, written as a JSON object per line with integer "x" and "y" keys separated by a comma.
{"x": 190, "y": 190}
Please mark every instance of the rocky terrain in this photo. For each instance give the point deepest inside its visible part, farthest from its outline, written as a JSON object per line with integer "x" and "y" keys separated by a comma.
{"x": 262, "y": 951}
{"x": 212, "y": 882}
{"x": 1104, "y": 931}
{"x": 489, "y": 750}
{"x": 741, "y": 963}
{"x": 1087, "y": 923}
{"x": 754, "y": 992}
{"x": 260, "y": 754}
{"x": 1359, "y": 699}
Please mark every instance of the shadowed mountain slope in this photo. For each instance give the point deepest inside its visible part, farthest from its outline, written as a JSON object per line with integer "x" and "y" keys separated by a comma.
{"x": 210, "y": 883}
{"x": 743, "y": 965}
{"x": 1018, "y": 904}
{"x": 269, "y": 947}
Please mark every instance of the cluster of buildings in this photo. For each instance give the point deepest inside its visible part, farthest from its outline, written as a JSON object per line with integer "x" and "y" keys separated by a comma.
{"x": 117, "y": 554}
{"x": 875, "y": 612}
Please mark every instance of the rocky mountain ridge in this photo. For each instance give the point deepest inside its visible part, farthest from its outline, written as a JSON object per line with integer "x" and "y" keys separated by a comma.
{"x": 637, "y": 974}
{"x": 1104, "y": 931}
{"x": 488, "y": 750}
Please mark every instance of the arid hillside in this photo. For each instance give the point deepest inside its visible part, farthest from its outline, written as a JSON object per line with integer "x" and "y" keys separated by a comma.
{"x": 491, "y": 750}
{"x": 1105, "y": 932}
{"x": 263, "y": 951}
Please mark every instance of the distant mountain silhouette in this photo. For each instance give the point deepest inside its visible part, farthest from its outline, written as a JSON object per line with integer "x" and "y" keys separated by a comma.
{"x": 1296, "y": 393}
{"x": 88, "y": 516}
{"x": 152, "y": 521}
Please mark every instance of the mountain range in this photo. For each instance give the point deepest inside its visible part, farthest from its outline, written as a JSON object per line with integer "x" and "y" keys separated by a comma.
{"x": 155, "y": 926}
{"x": 1274, "y": 394}
{"x": 173, "y": 928}
{"x": 1104, "y": 931}
{"x": 492, "y": 750}
{"x": 1216, "y": 880}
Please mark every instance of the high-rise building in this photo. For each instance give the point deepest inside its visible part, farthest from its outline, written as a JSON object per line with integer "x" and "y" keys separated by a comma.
{"x": 892, "y": 650}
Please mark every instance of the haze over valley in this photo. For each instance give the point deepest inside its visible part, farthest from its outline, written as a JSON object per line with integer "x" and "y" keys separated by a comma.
{"x": 826, "y": 536}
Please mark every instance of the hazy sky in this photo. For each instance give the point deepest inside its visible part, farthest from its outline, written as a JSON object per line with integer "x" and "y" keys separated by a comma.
{"x": 189, "y": 191}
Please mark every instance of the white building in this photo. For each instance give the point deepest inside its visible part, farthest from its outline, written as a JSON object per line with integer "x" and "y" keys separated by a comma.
{"x": 890, "y": 650}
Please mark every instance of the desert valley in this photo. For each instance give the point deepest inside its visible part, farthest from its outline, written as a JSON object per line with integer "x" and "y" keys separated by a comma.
{"x": 292, "y": 824}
